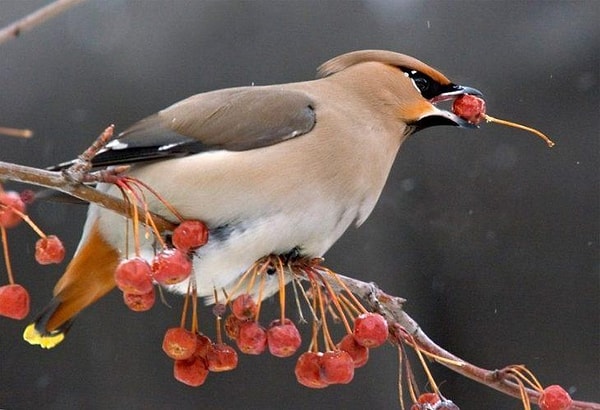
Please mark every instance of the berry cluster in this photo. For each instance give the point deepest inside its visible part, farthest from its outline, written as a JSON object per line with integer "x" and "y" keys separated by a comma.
{"x": 135, "y": 276}
{"x": 282, "y": 337}
{"x": 196, "y": 355}
{"x": 315, "y": 368}
{"x": 336, "y": 362}
{"x": 320, "y": 369}
{"x": 553, "y": 397}
{"x": 14, "y": 298}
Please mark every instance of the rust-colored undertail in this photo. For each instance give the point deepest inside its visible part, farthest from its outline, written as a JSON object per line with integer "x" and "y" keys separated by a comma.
{"x": 89, "y": 276}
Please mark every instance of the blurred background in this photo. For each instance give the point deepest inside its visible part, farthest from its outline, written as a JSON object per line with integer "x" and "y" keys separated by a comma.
{"x": 490, "y": 236}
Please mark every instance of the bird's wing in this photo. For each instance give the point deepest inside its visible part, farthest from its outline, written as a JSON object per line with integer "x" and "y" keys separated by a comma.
{"x": 235, "y": 119}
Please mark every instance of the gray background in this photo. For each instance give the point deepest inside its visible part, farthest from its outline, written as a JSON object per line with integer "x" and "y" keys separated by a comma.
{"x": 492, "y": 237}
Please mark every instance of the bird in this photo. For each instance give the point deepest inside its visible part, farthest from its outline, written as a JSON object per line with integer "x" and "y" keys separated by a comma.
{"x": 275, "y": 169}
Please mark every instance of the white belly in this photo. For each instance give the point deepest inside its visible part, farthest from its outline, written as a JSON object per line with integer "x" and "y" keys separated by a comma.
{"x": 244, "y": 231}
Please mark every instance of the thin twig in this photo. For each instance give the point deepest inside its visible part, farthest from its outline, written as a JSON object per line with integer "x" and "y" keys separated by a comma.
{"x": 16, "y": 132}
{"x": 56, "y": 181}
{"x": 36, "y": 18}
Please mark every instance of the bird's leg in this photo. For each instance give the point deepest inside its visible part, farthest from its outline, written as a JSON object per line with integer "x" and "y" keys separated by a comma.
{"x": 291, "y": 256}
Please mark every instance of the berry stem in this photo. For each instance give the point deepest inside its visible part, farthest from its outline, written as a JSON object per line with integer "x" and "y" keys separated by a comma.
{"x": 341, "y": 283}
{"x": 400, "y": 351}
{"x": 241, "y": 280}
{"x": 195, "y": 326}
{"x": 148, "y": 219}
{"x": 9, "y": 272}
{"x": 308, "y": 301}
{"x": 131, "y": 198}
{"x": 430, "y": 378}
{"x": 218, "y": 318}
{"x": 348, "y": 306}
{"x": 329, "y": 344}
{"x": 411, "y": 383}
{"x": 29, "y": 222}
{"x": 261, "y": 289}
{"x": 281, "y": 278}
{"x": 314, "y": 342}
{"x": 336, "y": 302}
{"x": 186, "y": 301}
{"x": 297, "y": 299}
{"x": 543, "y": 136}
{"x": 150, "y": 222}
{"x": 526, "y": 375}
{"x": 170, "y": 207}
{"x": 255, "y": 273}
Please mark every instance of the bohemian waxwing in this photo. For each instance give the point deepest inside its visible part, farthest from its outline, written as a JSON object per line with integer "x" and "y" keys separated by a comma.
{"x": 274, "y": 169}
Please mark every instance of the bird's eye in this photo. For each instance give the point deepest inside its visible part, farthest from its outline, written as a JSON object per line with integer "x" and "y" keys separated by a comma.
{"x": 427, "y": 86}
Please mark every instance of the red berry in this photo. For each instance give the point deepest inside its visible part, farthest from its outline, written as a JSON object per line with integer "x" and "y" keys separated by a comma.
{"x": 428, "y": 398}
{"x": 179, "y": 343}
{"x": 14, "y": 301}
{"x": 244, "y": 307}
{"x": 470, "y": 108}
{"x": 139, "y": 303}
{"x": 337, "y": 367}
{"x": 49, "y": 250}
{"x": 203, "y": 345}
{"x": 10, "y": 201}
{"x": 370, "y": 330}
{"x": 232, "y": 326}
{"x": 252, "y": 338}
{"x": 190, "y": 235}
{"x": 308, "y": 370}
{"x": 221, "y": 358}
{"x": 27, "y": 196}
{"x": 283, "y": 339}
{"x": 134, "y": 276}
{"x": 192, "y": 372}
{"x": 554, "y": 398}
{"x": 359, "y": 353}
{"x": 171, "y": 266}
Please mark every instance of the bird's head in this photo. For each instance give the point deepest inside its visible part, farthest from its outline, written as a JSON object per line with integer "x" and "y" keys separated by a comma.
{"x": 418, "y": 87}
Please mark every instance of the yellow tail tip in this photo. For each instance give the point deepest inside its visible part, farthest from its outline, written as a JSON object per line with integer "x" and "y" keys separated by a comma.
{"x": 48, "y": 341}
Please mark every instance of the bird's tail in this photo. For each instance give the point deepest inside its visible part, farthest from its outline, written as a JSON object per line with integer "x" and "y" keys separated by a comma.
{"x": 89, "y": 276}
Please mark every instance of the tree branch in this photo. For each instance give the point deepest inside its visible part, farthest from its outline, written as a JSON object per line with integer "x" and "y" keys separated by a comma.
{"x": 391, "y": 308}
{"x": 36, "y": 18}
{"x": 57, "y": 181}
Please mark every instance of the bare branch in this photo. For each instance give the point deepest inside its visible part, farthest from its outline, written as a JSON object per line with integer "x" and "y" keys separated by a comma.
{"x": 36, "y": 18}
{"x": 58, "y": 182}
{"x": 16, "y": 132}
{"x": 390, "y": 307}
